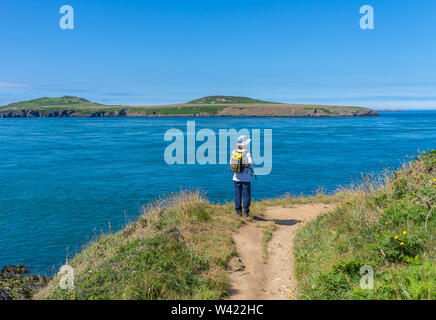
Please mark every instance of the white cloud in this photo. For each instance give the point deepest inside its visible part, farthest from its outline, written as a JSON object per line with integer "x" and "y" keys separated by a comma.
{"x": 8, "y": 84}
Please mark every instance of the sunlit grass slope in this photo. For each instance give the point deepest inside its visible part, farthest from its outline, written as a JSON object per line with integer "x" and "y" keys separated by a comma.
{"x": 388, "y": 223}
{"x": 178, "y": 249}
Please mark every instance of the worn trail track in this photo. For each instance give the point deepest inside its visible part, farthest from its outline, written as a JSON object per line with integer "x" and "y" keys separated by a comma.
{"x": 253, "y": 279}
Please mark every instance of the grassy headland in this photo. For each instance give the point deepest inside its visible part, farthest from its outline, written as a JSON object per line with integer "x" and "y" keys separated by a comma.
{"x": 182, "y": 244}
{"x": 226, "y": 100}
{"x": 178, "y": 249}
{"x": 211, "y": 106}
{"x": 65, "y": 101}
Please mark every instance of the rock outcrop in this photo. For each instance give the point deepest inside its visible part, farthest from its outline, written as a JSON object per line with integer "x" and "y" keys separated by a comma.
{"x": 16, "y": 282}
{"x": 25, "y": 113}
{"x": 4, "y": 295}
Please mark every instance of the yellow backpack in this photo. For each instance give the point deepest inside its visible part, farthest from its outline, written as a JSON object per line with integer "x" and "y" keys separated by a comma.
{"x": 236, "y": 162}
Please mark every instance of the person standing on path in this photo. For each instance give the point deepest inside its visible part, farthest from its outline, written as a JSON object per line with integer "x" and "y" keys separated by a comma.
{"x": 242, "y": 176}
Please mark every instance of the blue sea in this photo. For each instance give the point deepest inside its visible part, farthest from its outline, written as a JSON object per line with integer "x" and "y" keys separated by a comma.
{"x": 63, "y": 180}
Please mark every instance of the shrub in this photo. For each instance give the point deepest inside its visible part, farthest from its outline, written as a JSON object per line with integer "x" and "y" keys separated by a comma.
{"x": 402, "y": 211}
{"x": 396, "y": 247}
{"x": 336, "y": 283}
{"x": 415, "y": 282}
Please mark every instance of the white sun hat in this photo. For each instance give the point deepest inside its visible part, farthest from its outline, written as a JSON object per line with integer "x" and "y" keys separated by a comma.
{"x": 243, "y": 141}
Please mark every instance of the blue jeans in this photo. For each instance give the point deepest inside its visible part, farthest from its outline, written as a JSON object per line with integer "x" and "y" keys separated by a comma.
{"x": 242, "y": 190}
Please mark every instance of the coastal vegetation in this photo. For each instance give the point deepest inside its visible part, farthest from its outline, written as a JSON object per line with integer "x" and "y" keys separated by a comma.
{"x": 386, "y": 222}
{"x": 178, "y": 249}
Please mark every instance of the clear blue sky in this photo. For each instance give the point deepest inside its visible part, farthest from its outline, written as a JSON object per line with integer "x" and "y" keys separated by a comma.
{"x": 159, "y": 51}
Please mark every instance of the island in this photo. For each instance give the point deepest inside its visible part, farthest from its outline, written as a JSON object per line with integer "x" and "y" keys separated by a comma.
{"x": 211, "y": 106}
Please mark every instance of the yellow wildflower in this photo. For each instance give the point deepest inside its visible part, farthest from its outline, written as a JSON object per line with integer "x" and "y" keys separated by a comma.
{"x": 401, "y": 243}
{"x": 404, "y": 232}
{"x": 396, "y": 237}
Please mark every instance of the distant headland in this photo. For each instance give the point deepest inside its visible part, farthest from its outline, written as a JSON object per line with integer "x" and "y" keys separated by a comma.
{"x": 211, "y": 106}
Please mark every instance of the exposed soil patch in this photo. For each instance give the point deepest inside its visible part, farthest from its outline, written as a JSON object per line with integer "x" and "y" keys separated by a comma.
{"x": 250, "y": 276}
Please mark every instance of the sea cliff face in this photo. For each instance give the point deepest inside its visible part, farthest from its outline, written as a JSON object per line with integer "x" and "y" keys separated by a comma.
{"x": 25, "y": 113}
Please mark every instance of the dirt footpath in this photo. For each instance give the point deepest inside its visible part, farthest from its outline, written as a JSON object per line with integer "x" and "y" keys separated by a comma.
{"x": 251, "y": 277}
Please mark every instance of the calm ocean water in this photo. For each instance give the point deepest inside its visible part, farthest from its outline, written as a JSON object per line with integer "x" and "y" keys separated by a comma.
{"x": 63, "y": 179}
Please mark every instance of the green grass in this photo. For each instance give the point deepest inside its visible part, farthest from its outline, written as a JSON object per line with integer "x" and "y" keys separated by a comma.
{"x": 267, "y": 235}
{"x": 178, "y": 249}
{"x": 180, "y": 110}
{"x": 226, "y": 100}
{"x": 383, "y": 222}
{"x": 82, "y": 109}
{"x": 47, "y": 102}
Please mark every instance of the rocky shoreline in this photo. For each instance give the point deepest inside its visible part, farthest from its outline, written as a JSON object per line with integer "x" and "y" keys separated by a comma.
{"x": 18, "y": 283}
{"x": 25, "y": 113}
